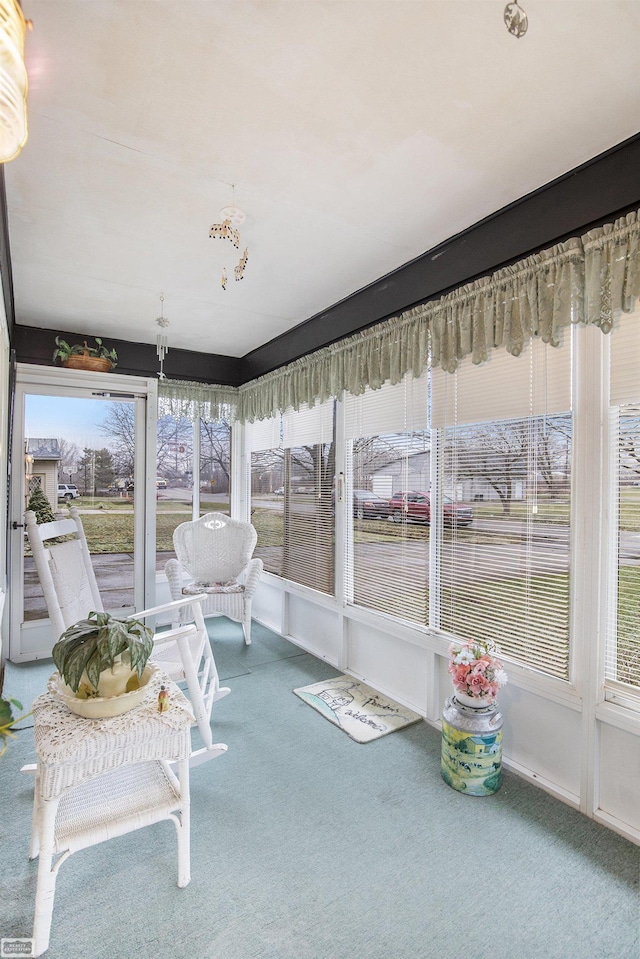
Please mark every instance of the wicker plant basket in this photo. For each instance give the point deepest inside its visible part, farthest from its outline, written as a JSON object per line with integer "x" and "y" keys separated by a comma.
{"x": 82, "y": 361}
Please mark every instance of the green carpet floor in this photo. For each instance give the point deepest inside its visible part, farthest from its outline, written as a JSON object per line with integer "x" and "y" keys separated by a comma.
{"x": 307, "y": 845}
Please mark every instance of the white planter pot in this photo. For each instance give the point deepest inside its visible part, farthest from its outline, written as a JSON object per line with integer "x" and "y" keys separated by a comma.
{"x": 102, "y": 707}
{"x": 473, "y": 702}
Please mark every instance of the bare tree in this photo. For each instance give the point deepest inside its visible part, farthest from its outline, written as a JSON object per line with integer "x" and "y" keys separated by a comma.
{"x": 552, "y": 440}
{"x": 174, "y": 447}
{"x": 495, "y": 452}
{"x": 68, "y": 462}
{"x": 215, "y": 452}
{"x": 174, "y": 441}
{"x": 511, "y": 453}
{"x": 119, "y": 426}
{"x": 373, "y": 453}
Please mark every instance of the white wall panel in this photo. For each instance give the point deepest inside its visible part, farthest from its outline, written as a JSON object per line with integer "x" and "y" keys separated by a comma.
{"x": 318, "y": 629}
{"x": 620, "y": 775}
{"x": 267, "y": 606}
{"x": 542, "y": 736}
{"x": 389, "y": 664}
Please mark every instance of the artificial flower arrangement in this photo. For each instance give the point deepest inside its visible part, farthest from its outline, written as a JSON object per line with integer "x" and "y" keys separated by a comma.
{"x": 475, "y": 671}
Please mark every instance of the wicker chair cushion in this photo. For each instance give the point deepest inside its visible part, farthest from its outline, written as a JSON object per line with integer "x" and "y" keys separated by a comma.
{"x": 231, "y": 587}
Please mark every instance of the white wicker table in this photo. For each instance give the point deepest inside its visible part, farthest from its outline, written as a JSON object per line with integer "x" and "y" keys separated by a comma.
{"x": 97, "y": 779}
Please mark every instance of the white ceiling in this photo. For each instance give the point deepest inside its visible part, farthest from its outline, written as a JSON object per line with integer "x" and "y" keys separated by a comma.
{"x": 358, "y": 135}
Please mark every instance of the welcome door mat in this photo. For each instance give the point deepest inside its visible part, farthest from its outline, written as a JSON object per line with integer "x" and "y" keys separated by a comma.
{"x": 362, "y": 712}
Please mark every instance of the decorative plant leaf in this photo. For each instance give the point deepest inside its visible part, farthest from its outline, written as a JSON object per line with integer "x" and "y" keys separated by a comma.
{"x": 93, "y": 667}
{"x": 140, "y": 644}
{"x": 92, "y": 645}
{"x": 7, "y": 720}
{"x": 6, "y": 716}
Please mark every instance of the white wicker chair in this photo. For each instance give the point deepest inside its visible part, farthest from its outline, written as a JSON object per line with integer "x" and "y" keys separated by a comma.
{"x": 71, "y": 592}
{"x": 215, "y": 552}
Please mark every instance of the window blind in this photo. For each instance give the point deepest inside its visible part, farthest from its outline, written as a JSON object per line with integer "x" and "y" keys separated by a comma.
{"x": 308, "y": 425}
{"x": 622, "y": 651}
{"x": 263, "y": 441}
{"x": 537, "y": 382}
{"x": 264, "y": 434}
{"x": 390, "y": 409}
{"x": 292, "y": 476}
{"x": 388, "y": 452}
{"x": 504, "y": 452}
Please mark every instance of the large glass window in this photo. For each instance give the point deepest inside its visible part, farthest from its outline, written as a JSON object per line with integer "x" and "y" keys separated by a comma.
{"x": 174, "y": 479}
{"x": 504, "y": 433}
{"x": 193, "y": 473}
{"x": 622, "y": 664}
{"x": 390, "y": 459}
{"x": 215, "y": 465}
{"x": 464, "y": 527}
{"x": 504, "y": 576}
{"x": 292, "y": 470}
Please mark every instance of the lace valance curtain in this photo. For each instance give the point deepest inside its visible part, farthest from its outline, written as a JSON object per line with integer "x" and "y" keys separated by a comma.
{"x": 612, "y": 270}
{"x": 187, "y": 399}
{"x": 586, "y": 279}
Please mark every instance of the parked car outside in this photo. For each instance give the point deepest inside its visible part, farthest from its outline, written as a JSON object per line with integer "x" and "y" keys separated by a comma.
{"x": 416, "y": 506}
{"x": 68, "y": 491}
{"x": 367, "y": 505}
{"x": 161, "y": 482}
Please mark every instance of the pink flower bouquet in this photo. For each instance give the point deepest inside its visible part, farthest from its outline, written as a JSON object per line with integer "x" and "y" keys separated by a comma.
{"x": 475, "y": 671}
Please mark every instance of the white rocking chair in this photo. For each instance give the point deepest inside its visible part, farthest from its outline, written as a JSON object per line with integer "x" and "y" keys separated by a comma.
{"x": 71, "y": 592}
{"x": 215, "y": 551}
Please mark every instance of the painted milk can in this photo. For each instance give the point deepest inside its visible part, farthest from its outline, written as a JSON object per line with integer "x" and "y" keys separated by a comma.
{"x": 471, "y": 758}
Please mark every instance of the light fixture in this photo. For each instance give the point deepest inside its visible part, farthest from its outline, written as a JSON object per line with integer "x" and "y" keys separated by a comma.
{"x": 515, "y": 19}
{"x": 231, "y": 217}
{"x": 162, "y": 347}
{"x": 13, "y": 80}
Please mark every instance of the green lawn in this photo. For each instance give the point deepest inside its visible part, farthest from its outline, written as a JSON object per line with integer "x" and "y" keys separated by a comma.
{"x": 556, "y": 511}
{"x": 629, "y": 625}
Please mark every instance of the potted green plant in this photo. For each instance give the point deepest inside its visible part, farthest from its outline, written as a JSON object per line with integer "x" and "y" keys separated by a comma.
{"x": 85, "y": 357}
{"x": 8, "y": 721}
{"x": 101, "y": 659}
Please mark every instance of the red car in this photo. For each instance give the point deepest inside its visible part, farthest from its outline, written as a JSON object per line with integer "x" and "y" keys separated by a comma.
{"x": 416, "y": 506}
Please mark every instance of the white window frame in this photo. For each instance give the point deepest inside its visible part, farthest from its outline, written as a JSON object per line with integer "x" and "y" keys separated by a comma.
{"x": 31, "y": 378}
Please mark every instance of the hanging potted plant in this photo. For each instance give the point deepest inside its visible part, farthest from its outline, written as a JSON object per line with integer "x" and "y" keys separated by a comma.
{"x": 102, "y": 665}
{"x": 84, "y": 357}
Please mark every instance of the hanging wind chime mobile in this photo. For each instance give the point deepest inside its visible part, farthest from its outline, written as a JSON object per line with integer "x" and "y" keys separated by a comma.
{"x": 227, "y": 229}
{"x": 162, "y": 347}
